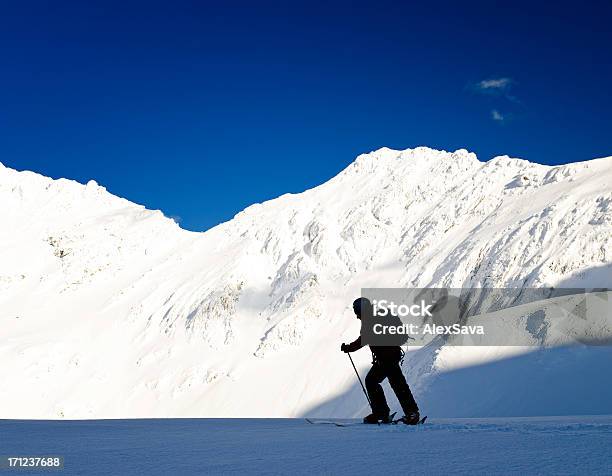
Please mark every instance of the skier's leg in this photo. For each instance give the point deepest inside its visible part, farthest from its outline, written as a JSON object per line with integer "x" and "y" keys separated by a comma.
{"x": 400, "y": 387}
{"x": 372, "y": 382}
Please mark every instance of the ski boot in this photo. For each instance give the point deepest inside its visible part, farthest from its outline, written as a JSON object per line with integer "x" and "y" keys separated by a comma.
{"x": 411, "y": 419}
{"x": 373, "y": 419}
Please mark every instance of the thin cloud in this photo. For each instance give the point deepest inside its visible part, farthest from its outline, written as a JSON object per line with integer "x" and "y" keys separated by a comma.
{"x": 500, "y": 90}
{"x": 497, "y": 116}
{"x": 496, "y": 87}
{"x": 494, "y": 84}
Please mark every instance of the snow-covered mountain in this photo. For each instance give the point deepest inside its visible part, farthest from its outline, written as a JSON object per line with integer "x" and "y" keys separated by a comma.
{"x": 111, "y": 310}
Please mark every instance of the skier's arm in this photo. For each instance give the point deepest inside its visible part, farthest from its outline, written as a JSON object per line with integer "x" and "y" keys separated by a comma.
{"x": 353, "y": 346}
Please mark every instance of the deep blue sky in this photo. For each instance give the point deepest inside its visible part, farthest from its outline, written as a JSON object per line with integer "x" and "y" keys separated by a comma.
{"x": 200, "y": 109}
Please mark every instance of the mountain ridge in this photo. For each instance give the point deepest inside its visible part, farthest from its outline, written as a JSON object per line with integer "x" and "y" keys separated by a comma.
{"x": 375, "y": 154}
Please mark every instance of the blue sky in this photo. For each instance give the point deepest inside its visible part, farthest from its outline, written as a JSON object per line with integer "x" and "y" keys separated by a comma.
{"x": 200, "y": 109}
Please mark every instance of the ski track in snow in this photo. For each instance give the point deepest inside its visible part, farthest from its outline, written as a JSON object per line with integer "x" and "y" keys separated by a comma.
{"x": 556, "y": 445}
{"x": 111, "y": 310}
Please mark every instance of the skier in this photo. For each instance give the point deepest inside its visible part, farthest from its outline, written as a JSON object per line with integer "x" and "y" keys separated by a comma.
{"x": 385, "y": 364}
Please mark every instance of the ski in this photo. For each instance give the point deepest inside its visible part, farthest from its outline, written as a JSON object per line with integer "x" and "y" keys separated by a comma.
{"x": 336, "y": 423}
{"x": 330, "y": 422}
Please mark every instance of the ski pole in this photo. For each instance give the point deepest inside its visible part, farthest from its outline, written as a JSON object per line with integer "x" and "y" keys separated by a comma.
{"x": 360, "y": 382}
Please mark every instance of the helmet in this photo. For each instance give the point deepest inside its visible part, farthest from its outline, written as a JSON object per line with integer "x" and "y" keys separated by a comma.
{"x": 360, "y": 305}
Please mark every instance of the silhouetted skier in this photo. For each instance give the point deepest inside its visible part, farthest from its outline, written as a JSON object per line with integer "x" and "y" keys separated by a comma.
{"x": 385, "y": 364}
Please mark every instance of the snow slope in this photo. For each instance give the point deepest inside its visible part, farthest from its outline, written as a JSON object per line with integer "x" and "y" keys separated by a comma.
{"x": 112, "y": 310}
{"x": 567, "y": 445}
